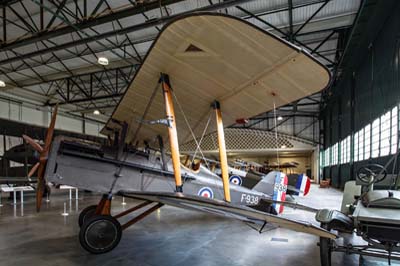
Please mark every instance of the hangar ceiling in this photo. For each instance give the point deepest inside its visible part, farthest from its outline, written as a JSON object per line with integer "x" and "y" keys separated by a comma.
{"x": 49, "y": 49}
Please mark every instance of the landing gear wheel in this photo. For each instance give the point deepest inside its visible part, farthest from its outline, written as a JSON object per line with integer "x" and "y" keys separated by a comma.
{"x": 100, "y": 234}
{"x": 86, "y": 214}
{"x": 325, "y": 248}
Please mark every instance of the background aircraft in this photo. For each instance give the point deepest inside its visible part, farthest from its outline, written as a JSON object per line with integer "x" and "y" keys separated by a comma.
{"x": 25, "y": 156}
{"x": 246, "y": 174}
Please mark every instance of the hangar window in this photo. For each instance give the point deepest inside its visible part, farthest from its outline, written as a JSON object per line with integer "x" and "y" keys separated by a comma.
{"x": 361, "y": 145}
{"x": 347, "y": 151}
{"x": 327, "y": 157}
{"x": 322, "y": 159}
{"x": 367, "y": 142}
{"x": 385, "y": 135}
{"x": 394, "y": 131}
{"x": 375, "y": 138}
{"x": 356, "y": 152}
{"x": 335, "y": 154}
{"x": 342, "y": 151}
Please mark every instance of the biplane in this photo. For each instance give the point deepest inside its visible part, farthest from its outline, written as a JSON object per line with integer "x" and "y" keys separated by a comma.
{"x": 296, "y": 184}
{"x": 201, "y": 67}
{"x": 17, "y": 174}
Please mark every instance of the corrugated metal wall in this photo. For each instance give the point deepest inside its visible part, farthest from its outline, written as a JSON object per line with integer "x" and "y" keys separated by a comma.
{"x": 376, "y": 85}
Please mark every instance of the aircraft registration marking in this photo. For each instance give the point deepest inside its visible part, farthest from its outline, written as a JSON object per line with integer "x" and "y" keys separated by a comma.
{"x": 280, "y": 187}
{"x": 249, "y": 199}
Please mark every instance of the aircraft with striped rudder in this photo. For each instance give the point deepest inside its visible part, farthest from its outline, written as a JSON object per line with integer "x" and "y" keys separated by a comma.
{"x": 201, "y": 65}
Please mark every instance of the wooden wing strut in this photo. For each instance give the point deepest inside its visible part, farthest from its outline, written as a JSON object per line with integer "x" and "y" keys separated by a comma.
{"x": 222, "y": 151}
{"x": 173, "y": 135}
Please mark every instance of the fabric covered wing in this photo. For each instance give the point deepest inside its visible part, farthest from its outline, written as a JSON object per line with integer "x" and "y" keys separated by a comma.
{"x": 212, "y": 56}
{"x": 228, "y": 210}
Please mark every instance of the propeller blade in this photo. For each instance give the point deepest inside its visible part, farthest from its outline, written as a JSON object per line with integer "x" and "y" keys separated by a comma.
{"x": 33, "y": 143}
{"x": 50, "y": 130}
{"x": 33, "y": 170}
{"x": 40, "y": 186}
{"x": 43, "y": 160}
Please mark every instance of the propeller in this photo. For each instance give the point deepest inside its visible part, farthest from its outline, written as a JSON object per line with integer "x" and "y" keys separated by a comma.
{"x": 43, "y": 153}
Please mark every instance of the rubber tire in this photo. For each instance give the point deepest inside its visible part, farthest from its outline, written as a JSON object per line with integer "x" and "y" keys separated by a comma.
{"x": 89, "y": 236}
{"x": 86, "y": 213}
{"x": 325, "y": 252}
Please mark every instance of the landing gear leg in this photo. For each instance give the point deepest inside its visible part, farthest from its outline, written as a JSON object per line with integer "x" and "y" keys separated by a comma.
{"x": 325, "y": 248}
{"x": 102, "y": 208}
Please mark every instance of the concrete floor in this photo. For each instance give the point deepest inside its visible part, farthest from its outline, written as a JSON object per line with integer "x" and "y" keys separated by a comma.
{"x": 169, "y": 236}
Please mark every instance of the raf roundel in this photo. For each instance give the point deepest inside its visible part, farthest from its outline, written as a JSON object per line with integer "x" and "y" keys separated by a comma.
{"x": 235, "y": 180}
{"x": 206, "y": 192}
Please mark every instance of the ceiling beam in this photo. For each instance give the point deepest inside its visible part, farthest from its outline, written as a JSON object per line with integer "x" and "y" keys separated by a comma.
{"x": 94, "y": 20}
{"x": 78, "y": 72}
{"x": 87, "y": 99}
{"x": 97, "y": 37}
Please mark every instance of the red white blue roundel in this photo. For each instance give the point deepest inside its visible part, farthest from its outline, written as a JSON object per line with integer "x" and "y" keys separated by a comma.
{"x": 235, "y": 180}
{"x": 206, "y": 192}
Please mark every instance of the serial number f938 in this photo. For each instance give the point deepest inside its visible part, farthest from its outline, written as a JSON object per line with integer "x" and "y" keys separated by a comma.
{"x": 249, "y": 199}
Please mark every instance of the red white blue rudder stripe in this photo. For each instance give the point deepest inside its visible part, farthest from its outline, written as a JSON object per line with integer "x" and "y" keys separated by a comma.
{"x": 303, "y": 185}
{"x": 280, "y": 188}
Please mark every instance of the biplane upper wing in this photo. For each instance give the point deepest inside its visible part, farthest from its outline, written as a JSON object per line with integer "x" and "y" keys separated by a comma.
{"x": 212, "y": 56}
{"x": 225, "y": 209}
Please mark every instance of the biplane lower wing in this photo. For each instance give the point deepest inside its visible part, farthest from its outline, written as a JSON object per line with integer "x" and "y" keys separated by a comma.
{"x": 225, "y": 209}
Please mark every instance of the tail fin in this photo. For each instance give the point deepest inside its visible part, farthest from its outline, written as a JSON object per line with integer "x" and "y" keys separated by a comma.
{"x": 303, "y": 185}
{"x": 275, "y": 185}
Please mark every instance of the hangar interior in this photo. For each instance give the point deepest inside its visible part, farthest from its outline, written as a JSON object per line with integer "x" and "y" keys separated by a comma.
{"x": 76, "y": 61}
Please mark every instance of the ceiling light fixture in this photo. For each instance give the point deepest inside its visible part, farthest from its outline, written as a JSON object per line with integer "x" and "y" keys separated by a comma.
{"x": 280, "y": 118}
{"x": 283, "y": 147}
{"x": 96, "y": 112}
{"x": 102, "y": 61}
{"x": 2, "y": 84}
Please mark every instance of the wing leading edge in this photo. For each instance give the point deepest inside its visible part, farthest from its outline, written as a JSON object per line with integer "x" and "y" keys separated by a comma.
{"x": 225, "y": 209}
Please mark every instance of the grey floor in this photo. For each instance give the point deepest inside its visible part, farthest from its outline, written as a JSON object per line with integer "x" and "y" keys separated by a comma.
{"x": 169, "y": 236}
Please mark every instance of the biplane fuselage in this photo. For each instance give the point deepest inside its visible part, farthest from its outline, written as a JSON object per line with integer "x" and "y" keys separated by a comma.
{"x": 87, "y": 167}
